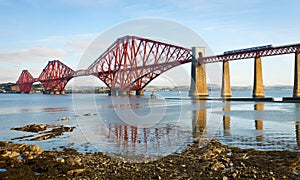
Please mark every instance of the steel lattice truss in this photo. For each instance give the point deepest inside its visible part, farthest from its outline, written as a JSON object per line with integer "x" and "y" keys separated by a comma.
{"x": 133, "y": 62}
{"x": 25, "y": 81}
{"x": 273, "y": 51}
{"x": 55, "y": 76}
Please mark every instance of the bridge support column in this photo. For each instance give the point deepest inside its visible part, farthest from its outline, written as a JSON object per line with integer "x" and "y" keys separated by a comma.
{"x": 112, "y": 92}
{"x": 258, "y": 88}
{"x": 198, "y": 84}
{"x": 123, "y": 93}
{"x": 139, "y": 92}
{"x": 130, "y": 93}
{"x": 296, "y": 91}
{"x": 226, "y": 89}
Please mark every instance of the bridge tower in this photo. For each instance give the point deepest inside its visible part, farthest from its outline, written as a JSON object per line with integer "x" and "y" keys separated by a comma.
{"x": 198, "y": 71}
{"x": 55, "y": 76}
{"x": 25, "y": 81}
{"x": 131, "y": 63}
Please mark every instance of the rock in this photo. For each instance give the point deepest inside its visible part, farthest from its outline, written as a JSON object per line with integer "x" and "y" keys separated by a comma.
{"x": 89, "y": 114}
{"x": 74, "y": 161}
{"x": 36, "y": 149}
{"x": 217, "y": 165}
{"x": 31, "y": 128}
{"x": 75, "y": 171}
{"x": 44, "y": 137}
{"x": 60, "y": 160}
{"x": 156, "y": 177}
{"x": 68, "y": 129}
{"x": 234, "y": 175}
{"x": 3, "y": 143}
{"x": 33, "y": 151}
{"x": 65, "y": 119}
{"x": 10, "y": 154}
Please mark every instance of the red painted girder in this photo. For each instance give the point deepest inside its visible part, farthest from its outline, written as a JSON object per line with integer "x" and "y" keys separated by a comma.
{"x": 132, "y": 62}
{"x": 91, "y": 69}
{"x": 25, "y": 81}
{"x": 55, "y": 76}
{"x": 148, "y": 66}
{"x": 273, "y": 51}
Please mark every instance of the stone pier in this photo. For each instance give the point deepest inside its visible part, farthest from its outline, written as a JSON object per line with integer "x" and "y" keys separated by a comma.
{"x": 226, "y": 89}
{"x": 112, "y": 92}
{"x": 198, "y": 84}
{"x": 139, "y": 92}
{"x": 296, "y": 91}
{"x": 258, "y": 88}
{"x": 124, "y": 93}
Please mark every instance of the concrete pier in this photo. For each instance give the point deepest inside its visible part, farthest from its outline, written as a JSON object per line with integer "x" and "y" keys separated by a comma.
{"x": 198, "y": 84}
{"x": 123, "y": 93}
{"x": 258, "y": 88}
{"x": 139, "y": 92}
{"x": 296, "y": 91}
{"x": 226, "y": 89}
{"x": 112, "y": 92}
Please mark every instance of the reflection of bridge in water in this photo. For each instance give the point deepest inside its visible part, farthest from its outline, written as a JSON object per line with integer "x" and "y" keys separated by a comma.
{"x": 131, "y": 63}
{"x": 229, "y": 130}
{"x": 200, "y": 123}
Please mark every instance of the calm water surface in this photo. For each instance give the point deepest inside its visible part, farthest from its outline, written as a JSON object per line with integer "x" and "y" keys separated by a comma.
{"x": 152, "y": 127}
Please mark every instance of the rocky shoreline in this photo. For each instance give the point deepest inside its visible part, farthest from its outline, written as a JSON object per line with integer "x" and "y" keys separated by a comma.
{"x": 212, "y": 161}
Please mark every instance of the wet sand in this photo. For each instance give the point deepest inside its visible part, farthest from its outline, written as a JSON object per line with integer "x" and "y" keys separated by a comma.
{"x": 210, "y": 160}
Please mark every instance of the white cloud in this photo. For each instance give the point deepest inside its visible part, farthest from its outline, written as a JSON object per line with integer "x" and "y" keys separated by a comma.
{"x": 32, "y": 54}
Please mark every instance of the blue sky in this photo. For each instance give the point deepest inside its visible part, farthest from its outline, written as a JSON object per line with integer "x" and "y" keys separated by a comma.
{"x": 35, "y": 31}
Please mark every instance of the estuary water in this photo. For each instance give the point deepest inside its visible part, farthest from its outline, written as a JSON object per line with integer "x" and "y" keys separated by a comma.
{"x": 152, "y": 127}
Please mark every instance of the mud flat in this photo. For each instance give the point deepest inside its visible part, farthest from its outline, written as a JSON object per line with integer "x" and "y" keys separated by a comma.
{"x": 211, "y": 161}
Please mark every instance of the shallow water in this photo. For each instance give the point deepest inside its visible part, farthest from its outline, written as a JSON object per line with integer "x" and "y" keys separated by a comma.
{"x": 152, "y": 127}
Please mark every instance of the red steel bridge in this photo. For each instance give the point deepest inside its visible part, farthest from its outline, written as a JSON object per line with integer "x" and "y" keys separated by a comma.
{"x": 131, "y": 63}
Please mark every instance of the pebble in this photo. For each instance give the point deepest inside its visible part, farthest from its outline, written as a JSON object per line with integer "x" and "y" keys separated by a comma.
{"x": 75, "y": 171}
{"x": 189, "y": 164}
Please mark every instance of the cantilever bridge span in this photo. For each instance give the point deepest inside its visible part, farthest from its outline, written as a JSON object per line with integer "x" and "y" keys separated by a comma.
{"x": 131, "y": 63}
